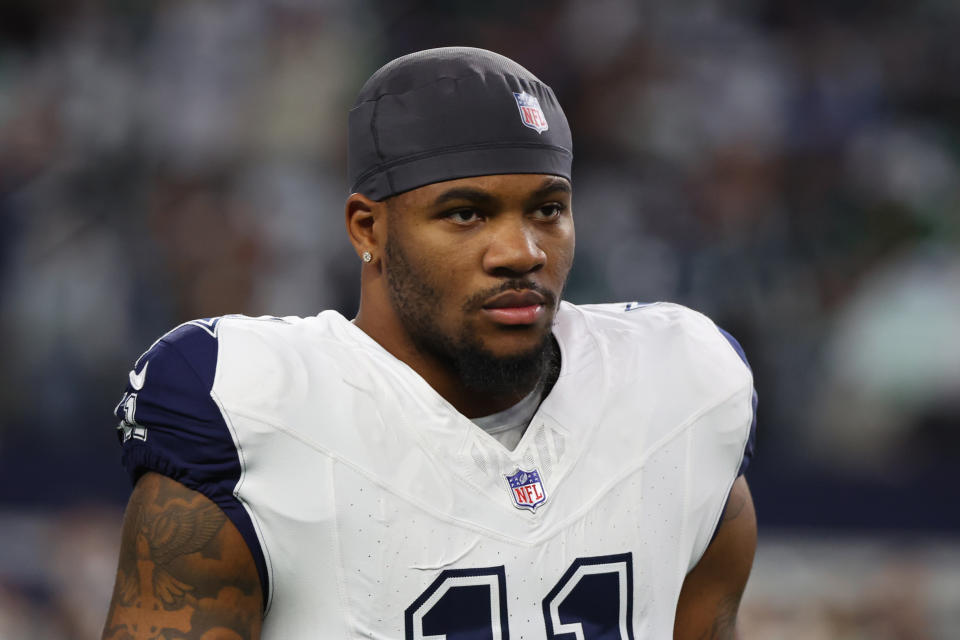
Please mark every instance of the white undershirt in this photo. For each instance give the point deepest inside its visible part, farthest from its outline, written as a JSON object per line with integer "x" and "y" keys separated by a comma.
{"x": 509, "y": 425}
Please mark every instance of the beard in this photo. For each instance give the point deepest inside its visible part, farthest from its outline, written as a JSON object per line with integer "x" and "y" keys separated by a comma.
{"x": 478, "y": 368}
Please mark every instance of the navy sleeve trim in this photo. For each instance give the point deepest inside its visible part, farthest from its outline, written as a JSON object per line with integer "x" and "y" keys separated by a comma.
{"x": 171, "y": 424}
{"x": 750, "y": 446}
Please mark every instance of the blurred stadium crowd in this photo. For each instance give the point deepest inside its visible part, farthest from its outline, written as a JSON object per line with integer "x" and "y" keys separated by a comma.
{"x": 792, "y": 169}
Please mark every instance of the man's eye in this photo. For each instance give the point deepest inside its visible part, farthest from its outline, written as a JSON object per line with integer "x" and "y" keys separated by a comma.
{"x": 463, "y": 216}
{"x": 552, "y": 210}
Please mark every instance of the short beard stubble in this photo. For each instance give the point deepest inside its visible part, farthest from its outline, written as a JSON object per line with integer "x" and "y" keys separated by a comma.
{"x": 478, "y": 369}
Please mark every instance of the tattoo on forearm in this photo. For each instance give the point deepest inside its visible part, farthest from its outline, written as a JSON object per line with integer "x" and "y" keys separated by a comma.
{"x": 725, "y": 623}
{"x": 173, "y": 571}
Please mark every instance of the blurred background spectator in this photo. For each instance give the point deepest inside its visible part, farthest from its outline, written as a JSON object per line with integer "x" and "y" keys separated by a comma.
{"x": 790, "y": 168}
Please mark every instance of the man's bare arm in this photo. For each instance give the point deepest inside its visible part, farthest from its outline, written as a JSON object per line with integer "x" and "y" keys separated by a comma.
{"x": 710, "y": 597}
{"x": 185, "y": 571}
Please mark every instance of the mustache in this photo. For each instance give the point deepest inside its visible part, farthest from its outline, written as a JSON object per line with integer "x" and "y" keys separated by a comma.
{"x": 477, "y": 300}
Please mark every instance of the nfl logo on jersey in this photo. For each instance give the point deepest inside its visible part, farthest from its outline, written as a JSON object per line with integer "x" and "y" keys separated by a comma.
{"x": 530, "y": 112}
{"x": 526, "y": 489}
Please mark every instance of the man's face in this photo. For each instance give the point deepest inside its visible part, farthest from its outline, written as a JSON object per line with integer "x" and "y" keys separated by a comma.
{"x": 475, "y": 269}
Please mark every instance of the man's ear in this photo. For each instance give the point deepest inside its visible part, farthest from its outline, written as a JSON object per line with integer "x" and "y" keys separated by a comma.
{"x": 365, "y": 225}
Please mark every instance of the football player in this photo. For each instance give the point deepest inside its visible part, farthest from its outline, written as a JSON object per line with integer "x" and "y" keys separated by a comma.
{"x": 470, "y": 456}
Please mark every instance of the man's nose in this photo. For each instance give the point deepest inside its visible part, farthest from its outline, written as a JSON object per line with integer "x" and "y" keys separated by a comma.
{"x": 513, "y": 249}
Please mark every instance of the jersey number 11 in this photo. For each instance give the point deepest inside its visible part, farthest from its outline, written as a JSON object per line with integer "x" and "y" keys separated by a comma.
{"x": 593, "y": 600}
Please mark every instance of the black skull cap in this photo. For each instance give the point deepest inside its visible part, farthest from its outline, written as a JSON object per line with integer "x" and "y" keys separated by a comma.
{"x": 449, "y": 113}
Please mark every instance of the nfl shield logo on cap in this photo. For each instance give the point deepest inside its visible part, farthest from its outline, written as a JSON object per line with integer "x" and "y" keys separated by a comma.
{"x": 526, "y": 489}
{"x": 530, "y": 112}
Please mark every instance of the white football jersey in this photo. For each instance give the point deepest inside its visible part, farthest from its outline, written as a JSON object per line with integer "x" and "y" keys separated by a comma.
{"x": 375, "y": 510}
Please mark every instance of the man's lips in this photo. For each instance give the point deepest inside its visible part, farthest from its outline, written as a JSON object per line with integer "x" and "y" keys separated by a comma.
{"x": 515, "y": 307}
{"x": 514, "y": 299}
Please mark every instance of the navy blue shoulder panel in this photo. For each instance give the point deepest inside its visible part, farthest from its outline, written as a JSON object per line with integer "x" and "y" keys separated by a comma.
{"x": 752, "y": 438}
{"x": 170, "y": 424}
